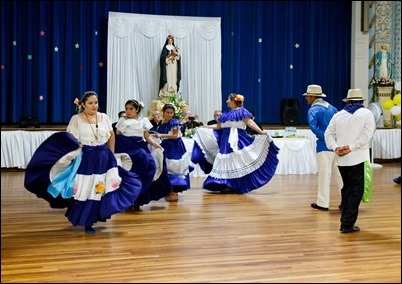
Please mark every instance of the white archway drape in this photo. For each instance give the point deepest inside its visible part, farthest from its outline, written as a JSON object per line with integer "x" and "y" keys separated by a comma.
{"x": 135, "y": 42}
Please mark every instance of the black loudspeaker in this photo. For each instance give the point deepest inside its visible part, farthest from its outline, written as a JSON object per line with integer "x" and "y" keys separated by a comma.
{"x": 290, "y": 111}
{"x": 27, "y": 121}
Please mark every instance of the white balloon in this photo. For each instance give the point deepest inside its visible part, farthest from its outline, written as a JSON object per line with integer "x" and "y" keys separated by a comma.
{"x": 395, "y": 110}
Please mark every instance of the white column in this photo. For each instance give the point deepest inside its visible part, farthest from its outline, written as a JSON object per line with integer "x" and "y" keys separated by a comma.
{"x": 359, "y": 53}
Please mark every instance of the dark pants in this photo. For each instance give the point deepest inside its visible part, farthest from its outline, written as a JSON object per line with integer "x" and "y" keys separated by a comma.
{"x": 352, "y": 193}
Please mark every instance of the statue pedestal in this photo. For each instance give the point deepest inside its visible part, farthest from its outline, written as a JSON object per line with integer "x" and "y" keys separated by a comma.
{"x": 383, "y": 94}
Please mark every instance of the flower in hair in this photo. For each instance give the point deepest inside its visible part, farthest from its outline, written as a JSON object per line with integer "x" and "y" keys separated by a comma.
{"x": 239, "y": 98}
{"x": 77, "y": 102}
{"x": 141, "y": 103}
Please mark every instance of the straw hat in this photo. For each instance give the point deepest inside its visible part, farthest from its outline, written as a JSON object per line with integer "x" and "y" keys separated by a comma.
{"x": 315, "y": 91}
{"x": 354, "y": 95}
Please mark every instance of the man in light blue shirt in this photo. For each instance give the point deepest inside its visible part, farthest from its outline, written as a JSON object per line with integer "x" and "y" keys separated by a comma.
{"x": 319, "y": 115}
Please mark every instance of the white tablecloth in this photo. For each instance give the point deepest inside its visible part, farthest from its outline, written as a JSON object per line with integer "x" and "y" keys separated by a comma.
{"x": 296, "y": 156}
{"x": 386, "y": 143}
{"x": 17, "y": 147}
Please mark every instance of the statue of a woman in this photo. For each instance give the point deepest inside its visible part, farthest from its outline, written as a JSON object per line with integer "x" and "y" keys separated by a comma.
{"x": 383, "y": 63}
{"x": 170, "y": 68}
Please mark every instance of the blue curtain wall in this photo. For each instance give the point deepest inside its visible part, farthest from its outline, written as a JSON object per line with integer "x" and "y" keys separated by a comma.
{"x": 53, "y": 51}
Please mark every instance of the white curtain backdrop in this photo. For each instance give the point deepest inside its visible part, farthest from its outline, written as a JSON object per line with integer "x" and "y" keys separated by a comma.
{"x": 135, "y": 42}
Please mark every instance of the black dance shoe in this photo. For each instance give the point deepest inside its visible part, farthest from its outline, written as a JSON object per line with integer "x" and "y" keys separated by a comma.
{"x": 89, "y": 230}
{"x": 354, "y": 229}
{"x": 315, "y": 206}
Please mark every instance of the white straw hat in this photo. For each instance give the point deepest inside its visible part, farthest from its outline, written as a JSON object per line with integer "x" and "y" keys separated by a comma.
{"x": 354, "y": 95}
{"x": 315, "y": 91}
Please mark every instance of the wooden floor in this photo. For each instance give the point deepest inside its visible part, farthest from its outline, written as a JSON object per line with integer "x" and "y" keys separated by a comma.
{"x": 269, "y": 235}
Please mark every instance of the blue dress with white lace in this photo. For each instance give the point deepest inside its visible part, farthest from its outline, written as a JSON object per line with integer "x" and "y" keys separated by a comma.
{"x": 243, "y": 162}
{"x": 177, "y": 157}
{"x": 77, "y": 170}
{"x": 155, "y": 184}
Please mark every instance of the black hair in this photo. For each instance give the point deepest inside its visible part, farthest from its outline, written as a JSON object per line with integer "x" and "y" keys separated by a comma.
{"x": 135, "y": 104}
{"x": 84, "y": 98}
{"x": 168, "y": 106}
{"x": 121, "y": 112}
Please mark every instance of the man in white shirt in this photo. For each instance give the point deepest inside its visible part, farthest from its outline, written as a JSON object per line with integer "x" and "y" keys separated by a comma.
{"x": 348, "y": 134}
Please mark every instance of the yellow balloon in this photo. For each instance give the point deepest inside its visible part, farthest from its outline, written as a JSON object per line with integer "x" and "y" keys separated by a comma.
{"x": 397, "y": 99}
{"x": 388, "y": 104}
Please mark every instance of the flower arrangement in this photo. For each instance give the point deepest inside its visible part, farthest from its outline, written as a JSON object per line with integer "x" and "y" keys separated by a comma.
{"x": 174, "y": 98}
{"x": 381, "y": 82}
{"x": 189, "y": 132}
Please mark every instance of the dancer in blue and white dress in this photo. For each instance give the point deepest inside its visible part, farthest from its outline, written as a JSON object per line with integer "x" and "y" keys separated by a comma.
{"x": 242, "y": 162}
{"x": 77, "y": 169}
{"x": 133, "y": 138}
{"x": 177, "y": 157}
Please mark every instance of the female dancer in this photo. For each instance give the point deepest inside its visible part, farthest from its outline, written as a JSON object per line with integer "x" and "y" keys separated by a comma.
{"x": 77, "y": 169}
{"x": 131, "y": 132}
{"x": 243, "y": 162}
{"x": 177, "y": 157}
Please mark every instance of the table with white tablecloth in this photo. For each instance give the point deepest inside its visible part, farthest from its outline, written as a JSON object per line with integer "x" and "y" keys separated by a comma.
{"x": 296, "y": 156}
{"x": 18, "y": 146}
{"x": 386, "y": 143}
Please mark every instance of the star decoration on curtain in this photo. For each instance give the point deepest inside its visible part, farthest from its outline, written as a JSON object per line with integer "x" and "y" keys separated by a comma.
{"x": 100, "y": 64}
{"x": 77, "y": 45}
{"x": 260, "y": 40}
{"x": 14, "y": 43}
{"x": 297, "y": 45}
{"x": 96, "y": 32}
{"x": 42, "y": 33}
{"x": 41, "y": 98}
{"x": 29, "y": 56}
{"x": 3, "y": 67}
{"x": 56, "y": 49}
{"x": 291, "y": 66}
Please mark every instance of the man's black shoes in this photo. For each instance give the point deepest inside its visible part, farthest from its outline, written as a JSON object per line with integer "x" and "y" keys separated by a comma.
{"x": 354, "y": 229}
{"x": 315, "y": 206}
